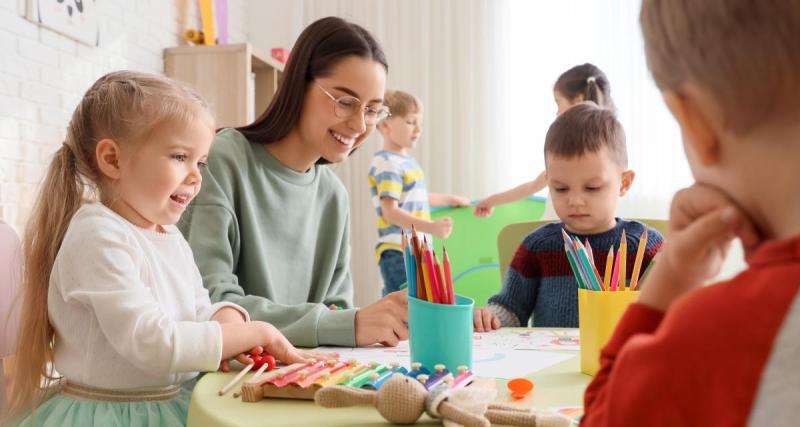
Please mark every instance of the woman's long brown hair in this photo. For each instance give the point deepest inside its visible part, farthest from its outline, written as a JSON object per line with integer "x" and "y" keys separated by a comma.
{"x": 320, "y": 46}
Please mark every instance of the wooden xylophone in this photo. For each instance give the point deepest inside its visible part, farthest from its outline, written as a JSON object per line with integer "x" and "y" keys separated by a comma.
{"x": 302, "y": 380}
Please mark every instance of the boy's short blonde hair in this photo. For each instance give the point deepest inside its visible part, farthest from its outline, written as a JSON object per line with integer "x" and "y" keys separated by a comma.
{"x": 745, "y": 53}
{"x": 401, "y": 103}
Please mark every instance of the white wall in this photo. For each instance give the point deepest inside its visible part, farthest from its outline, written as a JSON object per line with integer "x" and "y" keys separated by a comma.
{"x": 274, "y": 23}
{"x": 43, "y": 75}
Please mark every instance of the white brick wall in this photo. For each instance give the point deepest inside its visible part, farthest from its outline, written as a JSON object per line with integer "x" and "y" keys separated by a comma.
{"x": 44, "y": 74}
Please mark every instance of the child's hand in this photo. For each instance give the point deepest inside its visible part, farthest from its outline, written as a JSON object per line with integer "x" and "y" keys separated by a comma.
{"x": 276, "y": 344}
{"x": 485, "y": 320}
{"x": 230, "y": 315}
{"x": 483, "y": 209}
{"x": 442, "y": 227}
{"x": 703, "y": 223}
{"x": 459, "y": 201}
{"x": 225, "y": 364}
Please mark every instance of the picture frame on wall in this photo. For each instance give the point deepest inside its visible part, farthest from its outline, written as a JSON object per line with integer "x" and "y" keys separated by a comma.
{"x": 76, "y": 19}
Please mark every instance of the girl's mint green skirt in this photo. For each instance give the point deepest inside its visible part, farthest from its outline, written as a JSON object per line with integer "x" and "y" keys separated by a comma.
{"x": 67, "y": 409}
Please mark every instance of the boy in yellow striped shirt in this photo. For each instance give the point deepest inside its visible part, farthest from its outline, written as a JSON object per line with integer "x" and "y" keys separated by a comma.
{"x": 399, "y": 193}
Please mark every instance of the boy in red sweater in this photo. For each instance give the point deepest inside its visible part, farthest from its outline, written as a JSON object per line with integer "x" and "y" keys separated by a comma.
{"x": 725, "y": 354}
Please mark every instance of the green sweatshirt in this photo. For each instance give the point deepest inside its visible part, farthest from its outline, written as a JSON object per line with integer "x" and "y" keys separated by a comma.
{"x": 275, "y": 241}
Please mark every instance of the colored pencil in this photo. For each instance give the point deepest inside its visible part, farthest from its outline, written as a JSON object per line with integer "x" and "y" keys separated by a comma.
{"x": 587, "y": 266}
{"x": 609, "y": 266}
{"x": 410, "y": 285}
{"x": 615, "y": 273}
{"x": 448, "y": 276}
{"x": 417, "y": 252}
{"x": 427, "y": 273}
{"x": 426, "y": 279}
{"x": 569, "y": 245}
{"x": 588, "y": 248}
{"x": 413, "y": 277}
{"x": 441, "y": 286}
{"x": 637, "y": 264}
{"x": 575, "y": 271}
{"x": 623, "y": 272}
{"x": 594, "y": 266}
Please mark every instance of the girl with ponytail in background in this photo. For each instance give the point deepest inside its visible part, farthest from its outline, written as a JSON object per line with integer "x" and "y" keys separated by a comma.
{"x": 580, "y": 83}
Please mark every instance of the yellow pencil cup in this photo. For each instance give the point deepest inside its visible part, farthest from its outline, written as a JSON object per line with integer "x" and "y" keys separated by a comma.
{"x": 598, "y": 314}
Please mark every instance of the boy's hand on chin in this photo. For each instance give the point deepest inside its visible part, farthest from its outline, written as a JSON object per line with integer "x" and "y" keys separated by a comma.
{"x": 703, "y": 223}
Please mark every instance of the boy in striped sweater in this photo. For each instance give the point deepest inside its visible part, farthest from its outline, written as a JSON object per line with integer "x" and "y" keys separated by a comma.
{"x": 726, "y": 354}
{"x": 398, "y": 189}
{"x": 586, "y": 165}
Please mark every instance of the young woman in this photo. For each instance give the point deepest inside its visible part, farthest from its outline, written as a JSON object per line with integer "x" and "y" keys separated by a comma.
{"x": 270, "y": 228}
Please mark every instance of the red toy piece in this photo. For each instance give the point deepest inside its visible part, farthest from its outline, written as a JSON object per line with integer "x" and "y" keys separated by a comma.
{"x": 260, "y": 359}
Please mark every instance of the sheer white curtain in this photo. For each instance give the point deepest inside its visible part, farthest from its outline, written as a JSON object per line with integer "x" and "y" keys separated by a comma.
{"x": 540, "y": 40}
{"x": 442, "y": 51}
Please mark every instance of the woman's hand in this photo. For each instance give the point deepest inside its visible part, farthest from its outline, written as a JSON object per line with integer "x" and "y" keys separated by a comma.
{"x": 384, "y": 321}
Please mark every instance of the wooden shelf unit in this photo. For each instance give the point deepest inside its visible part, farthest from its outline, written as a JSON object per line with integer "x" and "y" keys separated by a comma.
{"x": 222, "y": 75}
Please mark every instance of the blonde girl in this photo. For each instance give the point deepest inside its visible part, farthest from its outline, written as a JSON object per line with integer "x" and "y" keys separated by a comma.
{"x": 115, "y": 319}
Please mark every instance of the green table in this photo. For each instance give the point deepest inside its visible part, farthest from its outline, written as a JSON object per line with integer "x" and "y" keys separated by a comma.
{"x": 472, "y": 246}
{"x": 559, "y": 385}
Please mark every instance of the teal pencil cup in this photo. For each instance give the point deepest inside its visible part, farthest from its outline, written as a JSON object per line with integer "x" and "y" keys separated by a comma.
{"x": 441, "y": 333}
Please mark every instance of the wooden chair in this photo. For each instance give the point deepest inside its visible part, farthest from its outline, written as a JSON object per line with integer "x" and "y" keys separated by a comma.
{"x": 510, "y": 237}
{"x": 10, "y": 271}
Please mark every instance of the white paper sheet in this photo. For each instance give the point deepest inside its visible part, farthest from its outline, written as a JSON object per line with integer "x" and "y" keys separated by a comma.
{"x": 563, "y": 340}
{"x": 494, "y": 354}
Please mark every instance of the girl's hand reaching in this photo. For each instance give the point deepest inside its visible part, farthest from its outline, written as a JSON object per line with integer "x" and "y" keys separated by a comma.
{"x": 243, "y": 358}
{"x": 231, "y": 315}
{"x": 257, "y": 337}
{"x": 483, "y": 209}
{"x": 276, "y": 344}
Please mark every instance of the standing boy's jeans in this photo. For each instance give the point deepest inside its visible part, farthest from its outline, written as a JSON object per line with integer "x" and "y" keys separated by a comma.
{"x": 393, "y": 270}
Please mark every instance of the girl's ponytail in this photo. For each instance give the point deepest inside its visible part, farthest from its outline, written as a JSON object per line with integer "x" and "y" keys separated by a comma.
{"x": 59, "y": 199}
{"x": 585, "y": 82}
{"x": 593, "y": 92}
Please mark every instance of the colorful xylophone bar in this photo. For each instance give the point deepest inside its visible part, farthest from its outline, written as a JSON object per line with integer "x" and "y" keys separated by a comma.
{"x": 302, "y": 380}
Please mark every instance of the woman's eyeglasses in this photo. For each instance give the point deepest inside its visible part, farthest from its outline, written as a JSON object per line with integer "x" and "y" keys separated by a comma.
{"x": 346, "y": 106}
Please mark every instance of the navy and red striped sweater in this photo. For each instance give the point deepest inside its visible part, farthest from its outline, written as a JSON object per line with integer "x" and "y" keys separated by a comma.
{"x": 540, "y": 282}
